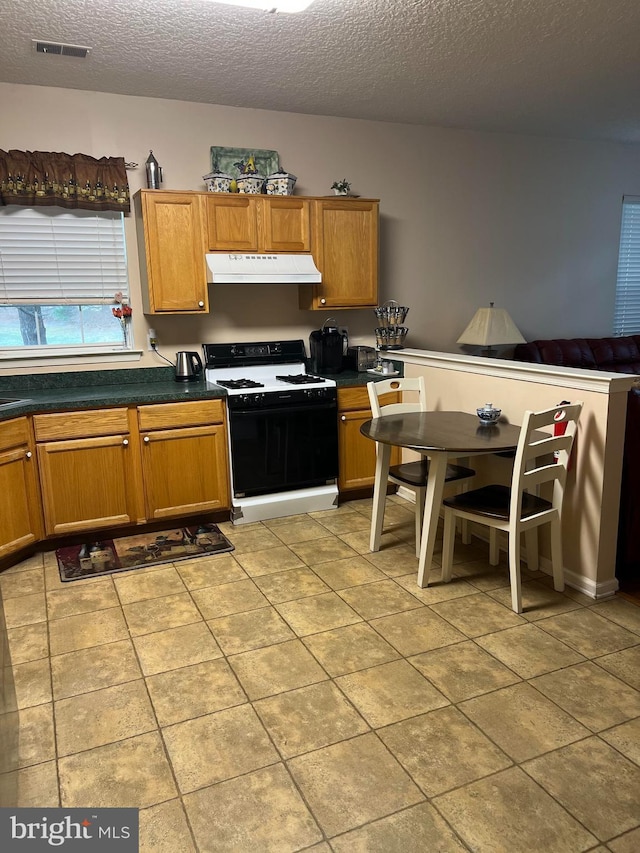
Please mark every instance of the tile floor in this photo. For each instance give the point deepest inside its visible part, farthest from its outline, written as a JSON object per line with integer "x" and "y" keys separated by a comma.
{"x": 301, "y": 693}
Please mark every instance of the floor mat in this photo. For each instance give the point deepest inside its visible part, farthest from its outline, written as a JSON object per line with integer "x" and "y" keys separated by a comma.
{"x": 105, "y": 556}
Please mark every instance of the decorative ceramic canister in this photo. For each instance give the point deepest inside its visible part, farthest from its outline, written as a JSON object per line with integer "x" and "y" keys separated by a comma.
{"x": 251, "y": 184}
{"x": 488, "y": 414}
{"x": 218, "y": 182}
{"x": 280, "y": 183}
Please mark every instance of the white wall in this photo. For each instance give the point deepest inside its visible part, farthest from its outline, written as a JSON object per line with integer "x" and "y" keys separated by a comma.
{"x": 466, "y": 218}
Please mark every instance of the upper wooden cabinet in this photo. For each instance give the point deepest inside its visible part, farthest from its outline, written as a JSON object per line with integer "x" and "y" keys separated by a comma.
{"x": 245, "y": 223}
{"x": 171, "y": 245}
{"x": 345, "y": 249}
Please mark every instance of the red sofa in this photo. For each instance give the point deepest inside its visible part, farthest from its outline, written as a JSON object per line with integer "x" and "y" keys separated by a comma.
{"x": 615, "y": 355}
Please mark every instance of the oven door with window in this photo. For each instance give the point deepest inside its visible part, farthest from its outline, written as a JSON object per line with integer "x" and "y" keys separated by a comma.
{"x": 281, "y": 445}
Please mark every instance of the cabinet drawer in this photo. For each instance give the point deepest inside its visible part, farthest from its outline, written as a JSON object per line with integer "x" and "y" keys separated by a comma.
{"x": 81, "y": 424}
{"x": 356, "y": 399}
{"x": 14, "y": 433}
{"x": 169, "y": 415}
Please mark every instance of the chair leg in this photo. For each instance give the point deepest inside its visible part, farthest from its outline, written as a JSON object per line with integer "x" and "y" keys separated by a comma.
{"x": 419, "y": 517}
{"x": 556, "y": 555}
{"x": 465, "y": 531}
{"x": 383, "y": 456}
{"x": 447, "y": 544}
{"x": 494, "y": 550}
{"x": 514, "y": 572}
{"x": 531, "y": 543}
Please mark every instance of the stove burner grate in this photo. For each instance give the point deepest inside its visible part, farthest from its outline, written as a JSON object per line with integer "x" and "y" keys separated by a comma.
{"x": 239, "y": 383}
{"x": 301, "y": 379}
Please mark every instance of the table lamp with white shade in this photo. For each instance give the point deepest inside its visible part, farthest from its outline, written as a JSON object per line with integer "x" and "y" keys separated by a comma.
{"x": 490, "y": 327}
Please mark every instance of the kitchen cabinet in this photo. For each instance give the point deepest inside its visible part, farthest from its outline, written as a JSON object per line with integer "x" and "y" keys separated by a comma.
{"x": 357, "y": 454}
{"x": 345, "y": 250}
{"x": 20, "y": 517}
{"x": 184, "y": 458}
{"x": 89, "y": 470}
{"x": 171, "y": 247}
{"x": 245, "y": 223}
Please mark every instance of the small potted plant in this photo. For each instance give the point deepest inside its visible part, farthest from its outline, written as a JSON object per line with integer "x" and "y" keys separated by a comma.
{"x": 341, "y": 187}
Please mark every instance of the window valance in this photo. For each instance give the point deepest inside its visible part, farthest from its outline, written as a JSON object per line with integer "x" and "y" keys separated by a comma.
{"x": 36, "y": 178}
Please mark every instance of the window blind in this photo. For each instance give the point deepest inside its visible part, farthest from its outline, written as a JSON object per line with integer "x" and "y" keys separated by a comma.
{"x": 626, "y": 319}
{"x": 50, "y": 256}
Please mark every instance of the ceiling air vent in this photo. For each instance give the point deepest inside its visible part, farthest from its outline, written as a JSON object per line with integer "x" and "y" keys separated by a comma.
{"x": 60, "y": 49}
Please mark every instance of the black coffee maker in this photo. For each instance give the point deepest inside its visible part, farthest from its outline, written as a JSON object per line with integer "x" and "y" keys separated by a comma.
{"x": 326, "y": 346}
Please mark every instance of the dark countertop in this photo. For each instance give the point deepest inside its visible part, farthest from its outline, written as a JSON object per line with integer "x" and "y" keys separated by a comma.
{"x": 51, "y": 392}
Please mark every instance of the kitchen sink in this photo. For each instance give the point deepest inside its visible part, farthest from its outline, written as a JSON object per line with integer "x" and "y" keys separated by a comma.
{"x": 8, "y": 401}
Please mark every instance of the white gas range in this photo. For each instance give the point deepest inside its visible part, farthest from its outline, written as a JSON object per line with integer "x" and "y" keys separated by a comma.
{"x": 283, "y": 430}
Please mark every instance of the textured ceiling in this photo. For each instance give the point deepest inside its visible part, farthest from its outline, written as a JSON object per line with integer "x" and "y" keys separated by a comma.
{"x": 547, "y": 67}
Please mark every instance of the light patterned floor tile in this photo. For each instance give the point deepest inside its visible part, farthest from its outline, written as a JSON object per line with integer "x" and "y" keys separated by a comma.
{"x": 27, "y": 582}
{"x": 390, "y": 692}
{"x": 285, "y": 666}
{"x": 38, "y": 786}
{"x": 85, "y": 598}
{"x": 419, "y": 828}
{"x": 594, "y": 697}
{"x": 443, "y": 750}
{"x": 621, "y": 611}
{"x": 596, "y": 784}
{"x": 164, "y": 829}
{"x": 132, "y": 773}
{"x": 625, "y": 665}
{"x": 416, "y": 631}
{"x": 81, "y": 632}
{"x": 317, "y": 613}
{"x": 304, "y": 530}
{"x": 350, "y": 648}
{"x": 29, "y": 642}
{"x": 32, "y": 683}
{"x": 352, "y": 571}
{"x": 309, "y": 718}
{"x": 322, "y": 550}
{"x": 475, "y": 615}
{"x": 193, "y": 691}
{"x": 370, "y": 781}
{"x": 140, "y": 586}
{"x": 228, "y": 598}
{"x": 242, "y": 632}
{"x": 528, "y": 650}
{"x": 157, "y": 614}
{"x": 103, "y": 716}
{"x": 93, "y": 669}
{"x": 277, "y": 559}
{"x": 503, "y": 813}
{"x": 175, "y": 647}
{"x": 626, "y": 739}
{"x": 538, "y": 600}
{"x": 463, "y": 671}
{"x": 210, "y": 571}
{"x": 588, "y": 633}
{"x": 291, "y": 584}
{"x": 217, "y": 746}
{"x": 247, "y": 814}
{"x": 522, "y": 721}
{"x": 380, "y": 598}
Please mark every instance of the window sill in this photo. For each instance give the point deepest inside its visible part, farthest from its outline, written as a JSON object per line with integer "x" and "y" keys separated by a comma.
{"x": 66, "y": 356}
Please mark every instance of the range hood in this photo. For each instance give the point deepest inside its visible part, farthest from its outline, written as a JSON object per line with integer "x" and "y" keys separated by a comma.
{"x": 225, "y": 268}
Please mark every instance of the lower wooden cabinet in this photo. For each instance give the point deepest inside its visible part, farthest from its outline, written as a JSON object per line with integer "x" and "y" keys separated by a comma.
{"x": 357, "y": 454}
{"x": 184, "y": 458}
{"x": 20, "y": 517}
{"x": 87, "y": 470}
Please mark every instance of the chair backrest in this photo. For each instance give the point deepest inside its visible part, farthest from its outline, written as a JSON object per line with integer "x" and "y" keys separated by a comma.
{"x": 542, "y": 456}
{"x": 386, "y": 386}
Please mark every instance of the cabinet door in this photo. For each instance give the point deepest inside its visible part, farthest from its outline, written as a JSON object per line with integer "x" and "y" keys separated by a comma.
{"x": 20, "y": 523}
{"x": 185, "y": 471}
{"x": 286, "y": 225}
{"x": 232, "y": 223}
{"x": 345, "y": 249}
{"x": 87, "y": 483}
{"x": 357, "y": 454}
{"x": 174, "y": 248}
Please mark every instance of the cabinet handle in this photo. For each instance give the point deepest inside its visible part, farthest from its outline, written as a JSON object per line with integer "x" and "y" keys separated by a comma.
{"x": 343, "y": 417}
{"x": 323, "y": 302}
{"x": 146, "y": 439}
{"x": 28, "y": 454}
{"x": 200, "y": 304}
{"x": 125, "y": 442}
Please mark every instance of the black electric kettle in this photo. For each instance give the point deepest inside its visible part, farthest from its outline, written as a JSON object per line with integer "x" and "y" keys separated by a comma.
{"x": 188, "y": 366}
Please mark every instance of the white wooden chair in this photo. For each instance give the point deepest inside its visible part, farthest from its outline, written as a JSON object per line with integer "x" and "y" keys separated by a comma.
{"x": 519, "y": 508}
{"x": 413, "y": 475}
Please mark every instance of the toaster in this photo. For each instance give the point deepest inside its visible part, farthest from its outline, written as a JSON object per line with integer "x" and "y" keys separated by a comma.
{"x": 361, "y": 358}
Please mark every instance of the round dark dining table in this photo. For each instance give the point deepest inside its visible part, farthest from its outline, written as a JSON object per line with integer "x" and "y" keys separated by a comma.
{"x": 441, "y": 436}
